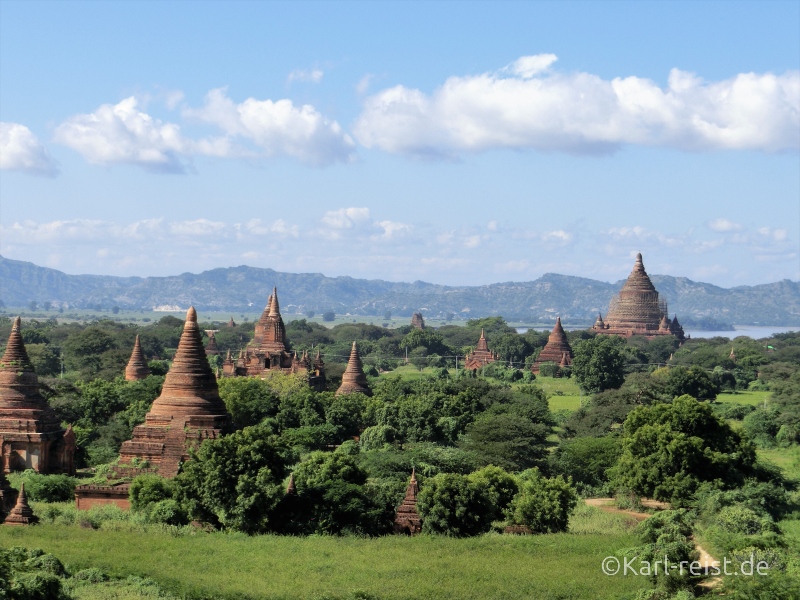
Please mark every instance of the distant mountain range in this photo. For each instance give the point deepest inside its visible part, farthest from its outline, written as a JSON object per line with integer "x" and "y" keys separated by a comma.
{"x": 576, "y": 299}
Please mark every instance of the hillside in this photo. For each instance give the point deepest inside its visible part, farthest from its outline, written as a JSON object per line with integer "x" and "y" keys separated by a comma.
{"x": 577, "y": 300}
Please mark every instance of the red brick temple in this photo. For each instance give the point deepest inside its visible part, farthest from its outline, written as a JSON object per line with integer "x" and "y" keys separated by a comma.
{"x": 31, "y": 436}
{"x": 137, "y": 366}
{"x": 354, "y": 380}
{"x": 188, "y": 411}
{"x": 637, "y": 310}
{"x": 557, "y": 350}
{"x": 407, "y": 519}
{"x": 480, "y": 356}
{"x": 267, "y": 351}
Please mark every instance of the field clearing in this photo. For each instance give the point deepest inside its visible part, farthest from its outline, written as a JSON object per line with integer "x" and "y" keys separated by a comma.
{"x": 755, "y": 398}
{"x": 563, "y": 566}
{"x": 563, "y": 393}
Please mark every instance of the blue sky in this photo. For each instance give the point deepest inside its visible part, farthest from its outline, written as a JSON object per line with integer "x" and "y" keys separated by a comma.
{"x": 460, "y": 143}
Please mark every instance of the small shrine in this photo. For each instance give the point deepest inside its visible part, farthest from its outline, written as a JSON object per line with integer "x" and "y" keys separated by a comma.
{"x": 354, "y": 380}
{"x": 22, "y": 513}
{"x": 557, "y": 350}
{"x": 407, "y": 520}
{"x": 137, "y": 367}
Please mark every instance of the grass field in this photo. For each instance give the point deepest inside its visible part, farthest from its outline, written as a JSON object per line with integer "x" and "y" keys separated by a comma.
{"x": 562, "y": 566}
{"x": 563, "y": 393}
{"x": 754, "y": 398}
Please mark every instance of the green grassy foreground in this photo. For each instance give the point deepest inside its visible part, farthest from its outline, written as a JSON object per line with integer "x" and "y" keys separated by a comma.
{"x": 563, "y": 566}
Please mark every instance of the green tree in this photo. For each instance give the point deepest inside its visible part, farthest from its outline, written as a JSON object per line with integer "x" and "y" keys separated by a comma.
{"x": 454, "y": 505}
{"x": 249, "y": 400}
{"x": 598, "y": 363}
{"x": 693, "y": 381}
{"x": 236, "y": 482}
{"x": 333, "y": 497}
{"x": 668, "y": 450}
{"x": 542, "y": 504}
{"x": 328, "y": 316}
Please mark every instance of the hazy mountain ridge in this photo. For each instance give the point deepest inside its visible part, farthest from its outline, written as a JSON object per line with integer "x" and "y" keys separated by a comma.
{"x": 575, "y": 299}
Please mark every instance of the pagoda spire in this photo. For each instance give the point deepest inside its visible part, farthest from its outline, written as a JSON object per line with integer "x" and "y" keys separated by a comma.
{"x": 354, "y": 379}
{"x": 190, "y": 387}
{"x": 274, "y": 309}
{"x": 291, "y": 489}
{"x": 137, "y": 366}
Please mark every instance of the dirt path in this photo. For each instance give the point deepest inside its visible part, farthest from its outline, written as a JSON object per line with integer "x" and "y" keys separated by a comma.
{"x": 607, "y": 505}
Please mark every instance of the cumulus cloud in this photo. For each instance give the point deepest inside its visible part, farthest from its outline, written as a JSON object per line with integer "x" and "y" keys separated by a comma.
{"x": 346, "y": 218}
{"x": 277, "y": 128}
{"x": 723, "y": 225}
{"x": 306, "y": 75}
{"x": 392, "y": 230}
{"x": 20, "y": 150}
{"x": 528, "y": 106}
{"x": 121, "y": 133}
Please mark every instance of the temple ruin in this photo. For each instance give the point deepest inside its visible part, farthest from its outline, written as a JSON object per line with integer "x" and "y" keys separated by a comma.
{"x": 137, "y": 366}
{"x": 188, "y": 411}
{"x": 267, "y": 352}
{"x": 557, "y": 350}
{"x": 354, "y": 380}
{"x": 637, "y": 310}
{"x": 481, "y": 356}
{"x": 31, "y": 436}
{"x": 407, "y": 519}
{"x": 417, "y": 321}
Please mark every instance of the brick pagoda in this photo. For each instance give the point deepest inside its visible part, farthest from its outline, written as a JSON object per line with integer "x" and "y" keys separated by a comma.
{"x": 31, "y": 436}
{"x": 354, "y": 380}
{"x": 637, "y": 309}
{"x": 480, "y": 356}
{"x": 188, "y": 410}
{"x": 21, "y": 514}
{"x": 407, "y": 519}
{"x": 557, "y": 350}
{"x": 267, "y": 351}
{"x": 137, "y": 366}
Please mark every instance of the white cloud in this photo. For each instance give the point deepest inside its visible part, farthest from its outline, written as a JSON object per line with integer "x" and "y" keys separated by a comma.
{"x": 723, "y": 225}
{"x": 392, "y": 230}
{"x": 279, "y": 227}
{"x": 584, "y": 113}
{"x": 306, "y": 75}
{"x": 779, "y": 235}
{"x": 346, "y": 218}
{"x": 20, "y": 150}
{"x": 197, "y": 227}
{"x": 278, "y": 128}
{"x": 121, "y": 133}
{"x": 528, "y": 66}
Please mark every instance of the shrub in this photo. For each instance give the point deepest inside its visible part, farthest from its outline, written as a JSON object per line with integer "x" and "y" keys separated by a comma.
{"x": 45, "y": 488}
{"x": 149, "y": 489}
{"x": 453, "y": 505}
{"x": 542, "y": 504}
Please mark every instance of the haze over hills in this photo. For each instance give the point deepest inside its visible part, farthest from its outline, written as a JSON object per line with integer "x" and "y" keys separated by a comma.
{"x": 576, "y": 299}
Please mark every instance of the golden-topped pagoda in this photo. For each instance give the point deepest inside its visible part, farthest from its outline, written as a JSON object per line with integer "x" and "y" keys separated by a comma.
{"x": 480, "y": 356}
{"x": 557, "y": 350}
{"x": 188, "y": 410}
{"x": 267, "y": 351}
{"x": 354, "y": 380}
{"x": 137, "y": 366}
{"x": 637, "y": 310}
{"x": 31, "y": 436}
